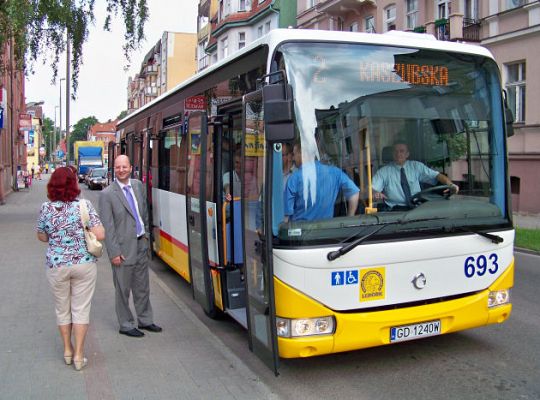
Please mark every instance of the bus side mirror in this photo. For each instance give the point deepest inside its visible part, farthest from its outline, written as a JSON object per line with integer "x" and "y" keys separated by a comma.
{"x": 278, "y": 112}
{"x": 508, "y": 117}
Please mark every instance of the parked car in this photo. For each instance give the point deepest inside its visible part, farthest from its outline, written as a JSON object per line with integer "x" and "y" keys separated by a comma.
{"x": 97, "y": 178}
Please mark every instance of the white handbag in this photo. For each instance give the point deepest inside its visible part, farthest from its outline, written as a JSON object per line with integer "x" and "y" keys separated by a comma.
{"x": 95, "y": 247}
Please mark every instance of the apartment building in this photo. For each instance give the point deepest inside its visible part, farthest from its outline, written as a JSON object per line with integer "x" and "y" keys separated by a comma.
{"x": 225, "y": 26}
{"x": 170, "y": 61}
{"x": 12, "y": 106}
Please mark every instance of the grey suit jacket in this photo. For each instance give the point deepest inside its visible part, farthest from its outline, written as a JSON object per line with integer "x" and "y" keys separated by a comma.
{"x": 119, "y": 222}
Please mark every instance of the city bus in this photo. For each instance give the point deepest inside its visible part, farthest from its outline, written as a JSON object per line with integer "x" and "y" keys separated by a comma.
{"x": 214, "y": 154}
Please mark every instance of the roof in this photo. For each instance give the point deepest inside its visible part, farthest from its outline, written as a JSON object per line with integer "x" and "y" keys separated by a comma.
{"x": 107, "y": 127}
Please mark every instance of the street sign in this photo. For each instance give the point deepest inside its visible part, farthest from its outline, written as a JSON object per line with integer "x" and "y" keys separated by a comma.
{"x": 60, "y": 154}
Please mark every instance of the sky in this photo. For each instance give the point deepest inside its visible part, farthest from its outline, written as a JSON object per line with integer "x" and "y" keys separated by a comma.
{"x": 103, "y": 80}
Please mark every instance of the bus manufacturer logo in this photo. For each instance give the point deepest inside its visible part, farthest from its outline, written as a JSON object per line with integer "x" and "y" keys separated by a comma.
{"x": 419, "y": 281}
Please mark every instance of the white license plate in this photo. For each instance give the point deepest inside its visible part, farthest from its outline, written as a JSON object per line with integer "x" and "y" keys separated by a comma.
{"x": 415, "y": 331}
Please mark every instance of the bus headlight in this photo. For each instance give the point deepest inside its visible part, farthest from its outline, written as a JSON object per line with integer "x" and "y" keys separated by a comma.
{"x": 498, "y": 297}
{"x": 305, "y": 326}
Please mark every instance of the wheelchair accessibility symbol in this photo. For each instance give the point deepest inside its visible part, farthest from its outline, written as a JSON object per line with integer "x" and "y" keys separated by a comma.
{"x": 340, "y": 278}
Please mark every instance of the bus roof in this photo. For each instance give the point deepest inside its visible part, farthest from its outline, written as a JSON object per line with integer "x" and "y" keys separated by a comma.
{"x": 277, "y": 36}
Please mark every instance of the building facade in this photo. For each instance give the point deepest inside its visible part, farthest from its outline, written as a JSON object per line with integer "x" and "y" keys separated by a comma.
{"x": 225, "y": 26}
{"x": 12, "y": 106}
{"x": 170, "y": 61}
{"x": 35, "y": 150}
{"x": 103, "y": 132}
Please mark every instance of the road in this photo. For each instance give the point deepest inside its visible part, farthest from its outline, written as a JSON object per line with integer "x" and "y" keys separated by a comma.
{"x": 494, "y": 362}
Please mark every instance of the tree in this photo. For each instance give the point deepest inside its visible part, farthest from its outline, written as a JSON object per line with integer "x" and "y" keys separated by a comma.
{"x": 47, "y": 131}
{"x": 80, "y": 131}
{"x": 122, "y": 115}
{"x": 37, "y": 27}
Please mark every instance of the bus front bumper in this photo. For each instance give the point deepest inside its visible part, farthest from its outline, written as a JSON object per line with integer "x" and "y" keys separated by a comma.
{"x": 361, "y": 330}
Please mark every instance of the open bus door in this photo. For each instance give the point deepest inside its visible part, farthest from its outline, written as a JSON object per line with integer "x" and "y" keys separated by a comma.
{"x": 257, "y": 231}
{"x": 198, "y": 191}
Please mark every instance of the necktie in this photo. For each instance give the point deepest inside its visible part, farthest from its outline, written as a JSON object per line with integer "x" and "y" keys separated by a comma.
{"x": 131, "y": 202}
{"x": 406, "y": 188}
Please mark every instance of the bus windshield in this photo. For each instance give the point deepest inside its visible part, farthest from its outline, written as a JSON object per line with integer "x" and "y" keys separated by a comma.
{"x": 412, "y": 139}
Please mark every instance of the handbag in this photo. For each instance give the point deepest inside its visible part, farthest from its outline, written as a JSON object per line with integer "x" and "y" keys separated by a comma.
{"x": 94, "y": 246}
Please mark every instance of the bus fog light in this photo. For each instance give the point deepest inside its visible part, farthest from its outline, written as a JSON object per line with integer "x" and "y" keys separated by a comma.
{"x": 305, "y": 326}
{"x": 498, "y": 297}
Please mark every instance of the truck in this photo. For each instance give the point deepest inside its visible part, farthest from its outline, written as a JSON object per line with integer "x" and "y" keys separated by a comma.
{"x": 88, "y": 154}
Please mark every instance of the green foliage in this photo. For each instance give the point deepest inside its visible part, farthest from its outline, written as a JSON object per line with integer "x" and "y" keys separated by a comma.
{"x": 123, "y": 114}
{"x": 528, "y": 238}
{"x": 80, "y": 131}
{"x": 38, "y": 28}
{"x": 47, "y": 131}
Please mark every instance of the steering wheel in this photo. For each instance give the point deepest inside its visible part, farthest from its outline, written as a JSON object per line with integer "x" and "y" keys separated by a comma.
{"x": 419, "y": 197}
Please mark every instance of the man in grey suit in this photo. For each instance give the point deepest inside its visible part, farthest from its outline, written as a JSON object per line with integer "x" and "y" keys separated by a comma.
{"x": 125, "y": 217}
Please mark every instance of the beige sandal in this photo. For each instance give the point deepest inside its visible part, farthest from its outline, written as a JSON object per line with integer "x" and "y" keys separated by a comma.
{"x": 80, "y": 364}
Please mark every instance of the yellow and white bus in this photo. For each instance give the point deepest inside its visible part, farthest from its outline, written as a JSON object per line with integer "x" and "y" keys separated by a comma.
{"x": 215, "y": 155}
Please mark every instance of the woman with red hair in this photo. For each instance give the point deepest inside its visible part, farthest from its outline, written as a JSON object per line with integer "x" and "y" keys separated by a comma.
{"x": 71, "y": 269}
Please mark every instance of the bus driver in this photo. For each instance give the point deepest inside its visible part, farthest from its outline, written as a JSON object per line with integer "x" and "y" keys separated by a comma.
{"x": 398, "y": 181}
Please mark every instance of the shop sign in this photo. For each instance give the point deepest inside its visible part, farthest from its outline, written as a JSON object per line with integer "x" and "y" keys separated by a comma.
{"x": 25, "y": 122}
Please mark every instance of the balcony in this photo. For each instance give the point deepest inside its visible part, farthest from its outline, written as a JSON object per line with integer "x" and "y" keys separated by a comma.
{"x": 442, "y": 29}
{"x": 151, "y": 69}
{"x": 151, "y": 91}
{"x": 471, "y": 30}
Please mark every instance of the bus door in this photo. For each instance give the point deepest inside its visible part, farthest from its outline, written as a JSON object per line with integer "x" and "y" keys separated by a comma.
{"x": 257, "y": 235}
{"x": 229, "y": 141}
{"x": 198, "y": 191}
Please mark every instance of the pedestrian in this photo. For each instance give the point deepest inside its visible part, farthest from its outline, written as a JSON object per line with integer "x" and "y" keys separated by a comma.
{"x": 124, "y": 211}
{"x": 33, "y": 170}
{"x": 71, "y": 269}
{"x": 2, "y": 194}
{"x": 39, "y": 169}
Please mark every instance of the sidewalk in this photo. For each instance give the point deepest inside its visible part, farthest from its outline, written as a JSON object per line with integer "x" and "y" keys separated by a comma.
{"x": 185, "y": 361}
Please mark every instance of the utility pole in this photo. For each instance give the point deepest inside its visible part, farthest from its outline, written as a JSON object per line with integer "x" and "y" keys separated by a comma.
{"x": 68, "y": 59}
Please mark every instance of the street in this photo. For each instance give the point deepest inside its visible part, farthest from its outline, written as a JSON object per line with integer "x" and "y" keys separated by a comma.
{"x": 197, "y": 357}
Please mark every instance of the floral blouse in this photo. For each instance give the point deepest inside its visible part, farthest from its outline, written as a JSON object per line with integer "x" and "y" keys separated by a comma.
{"x": 61, "y": 221}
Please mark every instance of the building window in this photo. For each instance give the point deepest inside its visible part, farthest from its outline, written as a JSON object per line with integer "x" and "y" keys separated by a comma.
{"x": 515, "y": 184}
{"x": 443, "y": 9}
{"x": 241, "y": 40}
{"x": 370, "y": 24}
{"x": 515, "y": 89}
{"x": 412, "y": 14}
{"x": 390, "y": 18}
{"x": 514, "y": 3}
{"x": 224, "y": 47}
{"x": 311, "y": 3}
{"x": 471, "y": 9}
{"x": 354, "y": 27}
{"x": 259, "y": 31}
{"x": 241, "y": 5}
{"x": 267, "y": 27}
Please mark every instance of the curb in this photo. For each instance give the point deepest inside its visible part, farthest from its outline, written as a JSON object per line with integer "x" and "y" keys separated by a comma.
{"x": 527, "y": 251}
{"x": 219, "y": 346}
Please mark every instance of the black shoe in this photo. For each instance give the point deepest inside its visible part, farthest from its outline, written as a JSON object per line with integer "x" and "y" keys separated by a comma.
{"x": 132, "y": 333}
{"x": 151, "y": 328}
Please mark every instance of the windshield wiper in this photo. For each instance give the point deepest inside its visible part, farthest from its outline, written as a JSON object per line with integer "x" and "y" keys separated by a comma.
{"x": 331, "y": 256}
{"x": 494, "y": 238}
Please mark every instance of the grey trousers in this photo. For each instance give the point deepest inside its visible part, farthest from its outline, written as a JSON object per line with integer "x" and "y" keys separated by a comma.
{"x": 134, "y": 279}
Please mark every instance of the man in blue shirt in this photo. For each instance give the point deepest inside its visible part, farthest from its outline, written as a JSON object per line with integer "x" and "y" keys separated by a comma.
{"x": 312, "y": 190}
{"x": 392, "y": 181}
